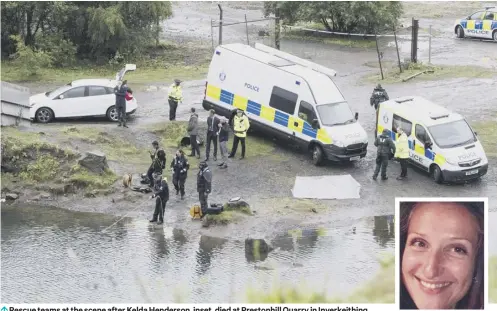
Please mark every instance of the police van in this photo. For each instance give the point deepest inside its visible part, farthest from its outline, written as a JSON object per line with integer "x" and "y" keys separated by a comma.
{"x": 441, "y": 142}
{"x": 286, "y": 97}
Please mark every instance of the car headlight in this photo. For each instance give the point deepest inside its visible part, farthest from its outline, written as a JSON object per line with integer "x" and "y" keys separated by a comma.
{"x": 451, "y": 161}
{"x": 338, "y": 143}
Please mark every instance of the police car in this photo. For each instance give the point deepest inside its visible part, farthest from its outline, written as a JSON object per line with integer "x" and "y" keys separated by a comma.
{"x": 481, "y": 24}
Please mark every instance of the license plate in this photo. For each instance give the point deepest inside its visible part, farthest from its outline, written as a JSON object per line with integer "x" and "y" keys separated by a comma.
{"x": 355, "y": 158}
{"x": 472, "y": 172}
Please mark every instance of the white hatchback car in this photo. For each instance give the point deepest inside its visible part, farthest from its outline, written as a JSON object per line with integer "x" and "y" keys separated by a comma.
{"x": 81, "y": 98}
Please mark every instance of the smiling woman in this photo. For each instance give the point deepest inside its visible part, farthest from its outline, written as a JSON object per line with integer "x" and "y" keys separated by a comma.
{"x": 442, "y": 255}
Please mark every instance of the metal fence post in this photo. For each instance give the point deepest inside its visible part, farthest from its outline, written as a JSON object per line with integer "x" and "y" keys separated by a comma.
{"x": 379, "y": 59}
{"x": 277, "y": 29}
{"x": 212, "y": 35}
{"x": 414, "y": 40}
{"x": 220, "y": 24}
{"x": 429, "y": 48}
{"x": 246, "y": 29}
{"x": 397, "y": 48}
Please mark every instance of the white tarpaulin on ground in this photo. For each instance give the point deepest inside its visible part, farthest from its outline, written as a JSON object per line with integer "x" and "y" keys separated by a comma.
{"x": 326, "y": 187}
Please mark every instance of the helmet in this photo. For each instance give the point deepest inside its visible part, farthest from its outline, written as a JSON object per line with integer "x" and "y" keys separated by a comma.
{"x": 385, "y": 132}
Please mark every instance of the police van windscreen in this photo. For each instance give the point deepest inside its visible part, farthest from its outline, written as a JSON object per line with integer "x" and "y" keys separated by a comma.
{"x": 335, "y": 114}
{"x": 452, "y": 134}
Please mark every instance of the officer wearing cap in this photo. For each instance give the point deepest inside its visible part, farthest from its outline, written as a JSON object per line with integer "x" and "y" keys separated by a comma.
{"x": 175, "y": 95}
{"x": 379, "y": 95}
{"x": 386, "y": 149}
{"x": 204, "y": 182}
{"x": 161, "y": 193}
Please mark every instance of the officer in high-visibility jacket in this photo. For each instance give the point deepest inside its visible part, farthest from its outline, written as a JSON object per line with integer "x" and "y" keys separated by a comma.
{"x": 241, "y": 125}
{"x": 402, "y": 152}
{"x": 175, "y": 96}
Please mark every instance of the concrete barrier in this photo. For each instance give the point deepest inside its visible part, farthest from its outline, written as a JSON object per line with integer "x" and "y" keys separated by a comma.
{"x": 15, "y": 105}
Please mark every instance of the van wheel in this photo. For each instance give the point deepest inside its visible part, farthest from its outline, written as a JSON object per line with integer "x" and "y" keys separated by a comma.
{"x": 494, "y": 35}
{"x": 112, "y": 114}
{"x": 317, "y": 155}
{"x": 44, "y": 115}
{"x": 460, "y": 32}
{"x": 436, "y": 174}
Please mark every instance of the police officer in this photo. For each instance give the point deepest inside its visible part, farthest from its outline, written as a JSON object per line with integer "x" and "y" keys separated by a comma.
{"x": 204, "y": 181}
{"x": 212, "y": 132}
{"x": 402, "y": 152}
{"x": 386, "y": 148}
{"x": 161, "y": 193}
{"x": 158, "y": 157}
{"x": 121, "y": 102}
{"x": 193, "y": 132}
{"x": 379, "y": 95}
{"x": 180, "y": 167}
{"x": 240, "y": 127}
{"x": 175, "y": 94}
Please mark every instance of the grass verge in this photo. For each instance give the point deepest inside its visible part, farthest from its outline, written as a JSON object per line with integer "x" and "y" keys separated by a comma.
{"x": 312, "y": 36}
{"x": 36, "y": 162}
{"x": 487, "y": 134}
{"x": 162, "y": 63}
{"x": 428, "y": 9}
{"x": 381, "y": 289}
{"x": 142, "y": 75}
{"x": 115, "y": 148}
{"x": 229, "y": 215}
{"x": 294, "y": 205}
{"x": 171, "y": 133}
{"x": 391, "y": 73}
{"x": 492, "y": 279}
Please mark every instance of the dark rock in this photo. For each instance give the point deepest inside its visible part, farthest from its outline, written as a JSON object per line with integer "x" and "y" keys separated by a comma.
{"x": 94, "y": 161}
{"x": 237, "y": 204}
{"x": 6, "y": 168}
{"x": 256, "y": 249}
{"x": 11, "y": 196}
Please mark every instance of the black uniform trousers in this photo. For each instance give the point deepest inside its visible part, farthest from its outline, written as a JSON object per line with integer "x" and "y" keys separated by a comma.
{"x": 403, "y": 167}
{"x": 160, "y": 208}
{"x": 381, "y": 162}
{"x": 211, "y": 137}
{"x": 150, "y": 173}
{"x": 173, "y": 105}
{"x": 237, "y": 139}
{"x": 202, "y": 197}
{"x": 121, "y": 113}
{"x": 194, "y": 144}
{"x": 179, "y": 182}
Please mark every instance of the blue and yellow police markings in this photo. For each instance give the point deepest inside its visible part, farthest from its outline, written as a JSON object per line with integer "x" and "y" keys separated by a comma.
{"x": 268, "y": 113}
{"x": 417, "y": 148}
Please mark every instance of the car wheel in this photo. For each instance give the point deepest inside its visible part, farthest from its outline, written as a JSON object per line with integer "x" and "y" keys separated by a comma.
{"x": 436, "y": 174}
{"x": 317, "y": 155}
{"x": 494, "y": 35}
{"x": 460, "y": 32}
{"x": 44, "y": 115}
{"x": 112, "y": 114}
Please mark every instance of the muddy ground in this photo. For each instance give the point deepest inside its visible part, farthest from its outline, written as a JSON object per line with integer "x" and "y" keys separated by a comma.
{"x": 265, "y": 178}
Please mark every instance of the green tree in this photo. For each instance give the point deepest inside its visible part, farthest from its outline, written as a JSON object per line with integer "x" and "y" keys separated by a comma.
{"x": 340, "y": 16}
{"x": 97, "y": 29}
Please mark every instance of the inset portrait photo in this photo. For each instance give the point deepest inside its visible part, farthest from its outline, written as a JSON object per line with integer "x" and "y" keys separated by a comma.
{"x": 441, "y": 253}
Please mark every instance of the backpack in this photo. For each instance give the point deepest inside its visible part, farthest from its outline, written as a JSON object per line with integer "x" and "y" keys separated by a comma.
{"x": 196, "y": 212}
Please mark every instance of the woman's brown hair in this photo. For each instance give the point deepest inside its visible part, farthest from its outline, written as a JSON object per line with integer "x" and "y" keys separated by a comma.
{"x": 474, "y": 298}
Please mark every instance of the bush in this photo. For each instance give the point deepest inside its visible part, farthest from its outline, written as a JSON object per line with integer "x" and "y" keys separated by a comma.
{"x": 61, "y": 51}
{"x": 29, "y": 61}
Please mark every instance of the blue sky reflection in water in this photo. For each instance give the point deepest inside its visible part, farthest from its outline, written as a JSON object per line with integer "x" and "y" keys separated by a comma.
{"x": 54, "y": 255}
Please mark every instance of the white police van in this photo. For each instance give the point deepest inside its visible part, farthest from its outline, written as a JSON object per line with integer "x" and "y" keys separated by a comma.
{"x": 289, "y": 98}
{"x": 441, "y": 142}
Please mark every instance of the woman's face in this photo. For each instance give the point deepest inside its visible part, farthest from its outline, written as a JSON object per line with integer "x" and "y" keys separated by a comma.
{"x": 439, "y": 257}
